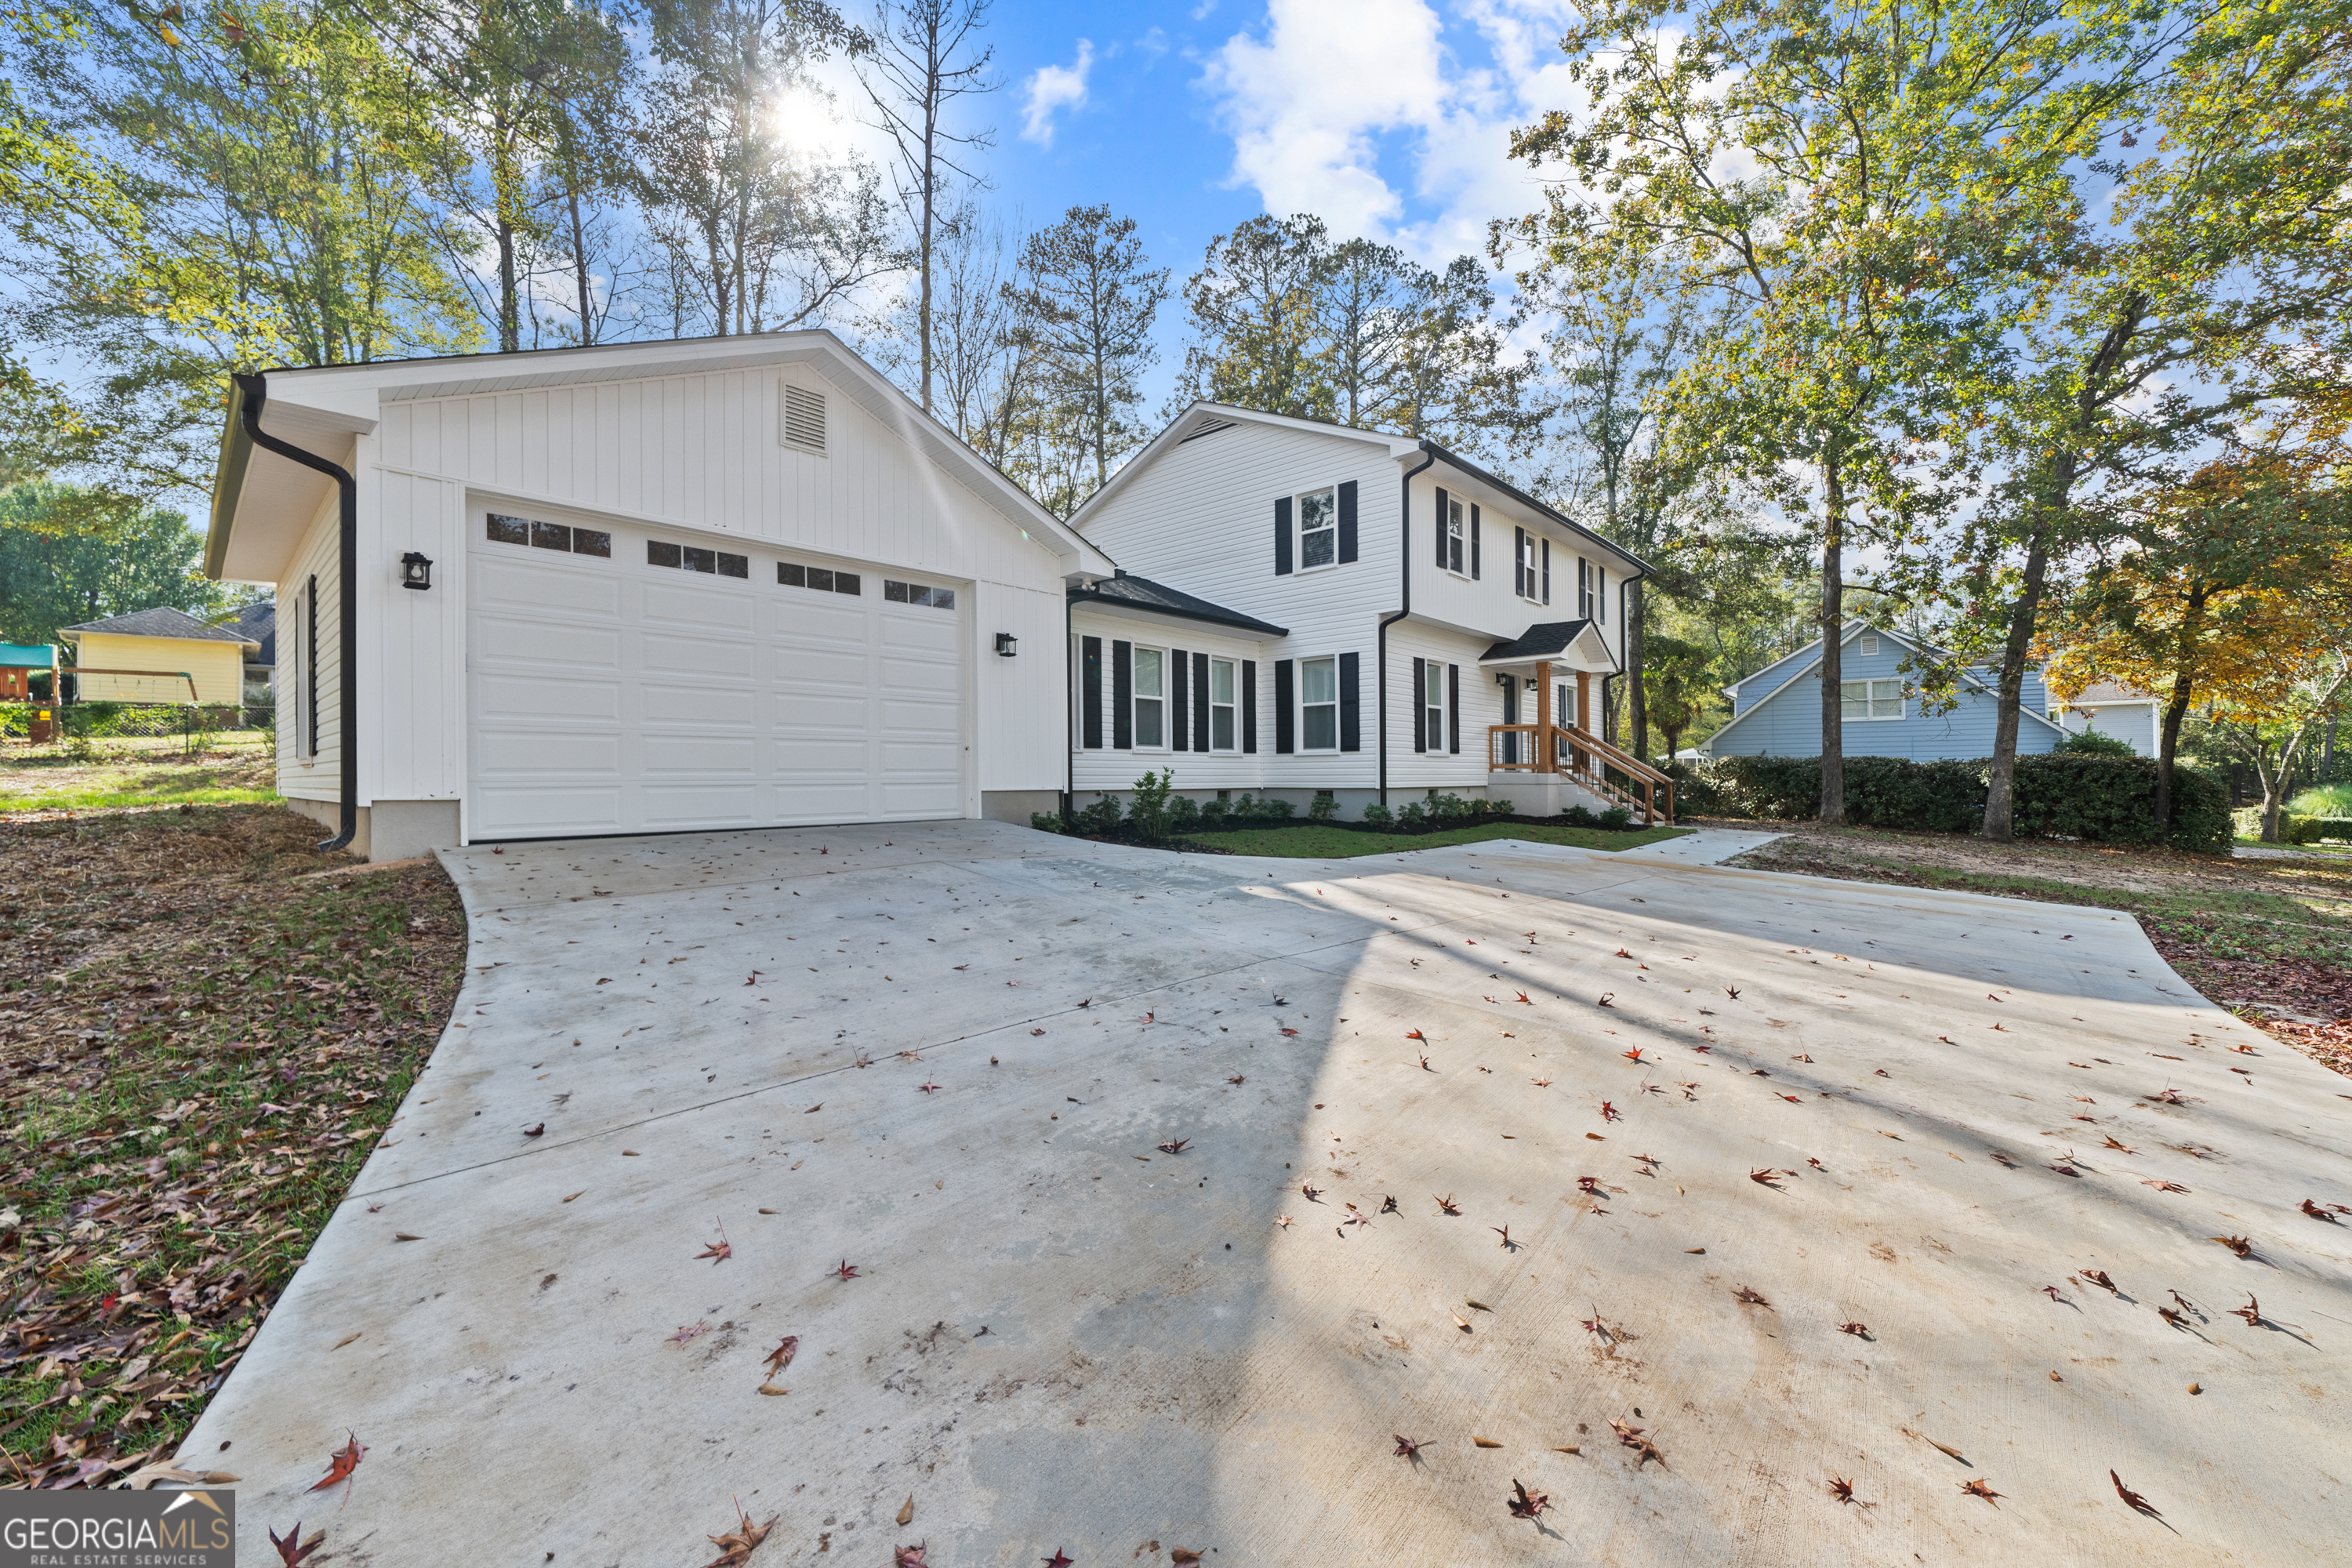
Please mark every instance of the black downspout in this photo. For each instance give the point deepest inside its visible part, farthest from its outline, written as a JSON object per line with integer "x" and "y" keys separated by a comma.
{"x": 253, "y": 390}
{"x": 1070, "y": 709}
{"x": 1404, "y": 539}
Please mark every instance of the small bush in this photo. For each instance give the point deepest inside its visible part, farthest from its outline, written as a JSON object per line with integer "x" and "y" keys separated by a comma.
{"x": 2323, "y": 800}
{"x": 1100, "y": 819}
{"x": 1047, "y": 822}
{"x": 2328, "y": 827}
{"x": 2090, "y": 743}
{"x": 1326, "y": 806}
{"x": 1272, "y": 810}
{"x": 1412, "y": 814}
{"x": 1617, "y": 819}
{"x": 1147, "y": 814}
{"x": 1580, "y": 817}
{"x": 1213, "y": 814}
{"x": 1449, "y": 807}
{"x": 1183, "y": 814}
{"x": 1379, "y": 817}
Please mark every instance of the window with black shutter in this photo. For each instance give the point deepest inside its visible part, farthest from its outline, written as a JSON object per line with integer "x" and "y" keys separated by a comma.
{"x": 1282, "y": 715}
{"x": 1090, "y": 679}
{"x": 1201, "y": 693}
{"x": 1179, "y": 699}
{"x": 1249, "y": 705}
{"x": 1282, "y": 537}
{"x": 1453, "y": 707}
{"x": 1351, "y": 710}
{"x": 1421, "y": 730}
{"x": 1474, "y": 543}
{"x": 1347, "y": 520}
{"x": 1122, "y": 696}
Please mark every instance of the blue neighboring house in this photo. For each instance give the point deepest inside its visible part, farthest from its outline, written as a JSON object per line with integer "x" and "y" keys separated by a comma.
{"x": 1777, "y": 712}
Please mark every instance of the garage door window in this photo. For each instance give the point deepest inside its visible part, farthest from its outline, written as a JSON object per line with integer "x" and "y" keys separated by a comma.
{"x": 696, "y": 558}
{"x": 822, "y": 579}
{"x": 916, "y": 593}
{"x": 504, "y": 529}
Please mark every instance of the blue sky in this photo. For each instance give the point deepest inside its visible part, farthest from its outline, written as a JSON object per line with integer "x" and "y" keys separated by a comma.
{"x": 1386, "y": 118}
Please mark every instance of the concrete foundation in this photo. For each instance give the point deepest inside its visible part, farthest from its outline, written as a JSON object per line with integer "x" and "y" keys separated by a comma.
{"x": 1543, "y": 795}
{"x": 1017, "y": 806}
{"x": 390, "y": 829}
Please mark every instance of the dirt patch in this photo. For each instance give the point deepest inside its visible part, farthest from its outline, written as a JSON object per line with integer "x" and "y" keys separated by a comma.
{"x": 2270, "y": 939}
{"x": 199, "y": 1044}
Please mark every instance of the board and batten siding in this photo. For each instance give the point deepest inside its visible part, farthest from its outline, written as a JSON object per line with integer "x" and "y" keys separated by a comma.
{"x": 412, "y": 744}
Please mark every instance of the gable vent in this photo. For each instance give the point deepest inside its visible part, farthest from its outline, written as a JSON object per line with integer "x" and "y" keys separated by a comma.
{"x": 803, "y": 420}
{"x": 1209, "y": 428}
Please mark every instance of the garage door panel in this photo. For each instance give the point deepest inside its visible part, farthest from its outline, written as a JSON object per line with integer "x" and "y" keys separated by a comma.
{"x": 543, "y": 589}
{"x": 549, "y": 752}
{"x": 502, "y": 639}
{"x": 609, "y": 697}
{"x": 680, "y": 605}
{"x": 712, "y": 657}
{"x": 536, "y": 696}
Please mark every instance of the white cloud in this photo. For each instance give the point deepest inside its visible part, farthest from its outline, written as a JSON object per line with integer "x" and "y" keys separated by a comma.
{"x": 1054, "y": 87}
{"x": 1359, "y": 112}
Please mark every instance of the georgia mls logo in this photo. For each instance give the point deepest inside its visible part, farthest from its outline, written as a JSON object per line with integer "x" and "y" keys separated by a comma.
{"x": 118, "y": 1530}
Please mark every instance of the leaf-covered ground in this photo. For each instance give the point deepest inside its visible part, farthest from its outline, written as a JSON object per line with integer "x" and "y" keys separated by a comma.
{"x": 200, "y": 1041}
{"x": 2270, "y": 939}
{"x": 235, "y": 767}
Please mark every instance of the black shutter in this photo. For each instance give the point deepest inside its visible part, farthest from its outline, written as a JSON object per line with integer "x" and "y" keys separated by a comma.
{"x": 1282, "y": 537}
{"x": 310, "y": 673}
{"x": 1200, "y": 701}
{"x": 1473, "y": 541}
{"x": 1249, "y": 705}
{"x": 1420, "y": 705}
{"x": 1347, "y": 519}
{"x": 1519, "y": 573}
{"x": 1441, "y": 527}
{"x": 1601, "y": 593}
{"x": 1351, "y": 714}
{"x": 1453, "y": 707}
{"x": 1091, "y": 689}
{"x": 1547, "y": 570}
{"x": 1122, "y": 696}
{"x": 1282, "y": 705}
{"x": 1180, "y": 669}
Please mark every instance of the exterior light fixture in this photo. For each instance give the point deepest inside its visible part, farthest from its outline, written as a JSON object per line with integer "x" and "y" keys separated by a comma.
{"x": 415, "y": 570}
{"x": 1007, "y": 645}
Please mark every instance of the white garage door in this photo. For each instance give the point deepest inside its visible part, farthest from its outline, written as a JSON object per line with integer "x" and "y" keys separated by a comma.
{"x": 637, "y": 681}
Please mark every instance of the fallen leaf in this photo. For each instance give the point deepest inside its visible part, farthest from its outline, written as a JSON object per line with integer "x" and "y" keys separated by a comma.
{"x": 340, "y": 1464}
{"x": 907, "y": 1514}
{"x": 346, "y": 1340}
{"x": 403, "y": 1235}
{"x": 575, "y": 1195}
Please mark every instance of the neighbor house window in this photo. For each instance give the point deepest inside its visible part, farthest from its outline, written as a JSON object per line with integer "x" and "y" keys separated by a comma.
{"x": 1151, "y": 699}
{"x": 916, "y": 593}
{"x": 1433, "y": 706}
{"x": 1223, "y": 726}
{"x": 1318, "y": 704}
{"x": 1318, "y": 529}
{"x": 821, "y": 579}
{"x": 1455, "y": 524}
{"x": 697, "y": 558}
{"x": 1870, "y": 698}
{"x": 1869, "y": 645}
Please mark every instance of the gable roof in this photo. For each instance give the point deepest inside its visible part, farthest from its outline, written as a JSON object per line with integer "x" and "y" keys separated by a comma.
{"x": 163, "y": 622}
{"x": 1545, "y": 639}
{"x": 1143, "y": 594}
{"x": 261, "y": 621}
{"x": 1203, "y": 418}
{"x": 1852, "y": 630}
{"x": 323, "y": 408}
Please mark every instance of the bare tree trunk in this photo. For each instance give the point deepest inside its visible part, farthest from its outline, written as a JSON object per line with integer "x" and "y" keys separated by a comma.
{"x": 2000, "y": 780}
{"x": 1639, "y": 715}
{"x": 1832, "y": 624}
{"x": 581, "y": 280}
{"x": 2184, "y": 661}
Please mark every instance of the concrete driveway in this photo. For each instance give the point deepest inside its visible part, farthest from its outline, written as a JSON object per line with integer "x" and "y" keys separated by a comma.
{"x": 946, "y": 1061}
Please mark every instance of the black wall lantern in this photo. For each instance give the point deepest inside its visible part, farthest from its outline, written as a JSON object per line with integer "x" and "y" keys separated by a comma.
{"x": 1007, "y": 645}
{"x": 415, "y": 570}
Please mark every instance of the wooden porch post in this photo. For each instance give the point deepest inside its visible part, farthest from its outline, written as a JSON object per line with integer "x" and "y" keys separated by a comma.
{"x": 1543, "y": 758}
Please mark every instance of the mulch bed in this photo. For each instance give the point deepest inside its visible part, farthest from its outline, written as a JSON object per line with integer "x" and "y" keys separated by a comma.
{"x": 200, "y": 1041}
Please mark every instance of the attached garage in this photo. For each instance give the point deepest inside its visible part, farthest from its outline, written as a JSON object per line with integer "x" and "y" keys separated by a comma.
{"x": 665, "y": 588}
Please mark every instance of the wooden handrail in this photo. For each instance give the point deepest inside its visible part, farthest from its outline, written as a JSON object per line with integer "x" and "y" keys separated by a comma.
{"x": 1570, "y": 748}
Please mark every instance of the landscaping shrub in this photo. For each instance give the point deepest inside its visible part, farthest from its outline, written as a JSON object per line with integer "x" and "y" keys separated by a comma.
{"x": 1101, "y": 818}
{"x": 2327, "y": 828}
{"x": 1326, "y": 806}
{"x": 1412, "y": 814}
{"x": 1379, "y": 817}
{"x": 1147, "y": 814}
{"x": 1183, "y": 814}
{"x": 1700, "y": 789}
{"x": 1616, "y": 819}
{"x": 2091, "y": 742}
{"x": 1580, "y": 817}
{"x": 2087, "y": 793}
{"x": 1213, "y": 814}
{"x": 1048, "y": 822}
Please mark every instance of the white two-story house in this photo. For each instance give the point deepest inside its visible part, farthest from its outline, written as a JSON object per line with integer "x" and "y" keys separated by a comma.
{"x": 1303, "y": 609}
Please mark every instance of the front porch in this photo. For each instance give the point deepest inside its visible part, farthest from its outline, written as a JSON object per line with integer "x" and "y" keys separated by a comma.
{"x": 1556, "y": 762}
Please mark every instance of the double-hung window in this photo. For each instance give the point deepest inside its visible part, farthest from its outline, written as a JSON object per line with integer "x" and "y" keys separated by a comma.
{"x": 1151, "y": 699}
{"x": 1224, "y": 725}
{"x": 1433, "y": 706}
{"x": 1867, "y": 699}
{"x": 1318, "y": 704}
{"x": 1583, "y": 588}
{"x": 1456, "y": 522}
{"x": 1523, "y": 563}
{"x": 1318, "y": 529}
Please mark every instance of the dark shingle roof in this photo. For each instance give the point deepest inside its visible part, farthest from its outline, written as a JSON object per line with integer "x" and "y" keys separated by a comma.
{"x": 1142, "y": 593}
{"x": 1539, "y": 641}
{"x": 260, "y": 624}
{"x": 161, "y": 623}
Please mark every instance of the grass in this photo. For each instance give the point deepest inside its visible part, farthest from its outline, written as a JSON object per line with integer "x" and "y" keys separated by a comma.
{"x": 132, "y": 774}
{"x": 1324, "y": 841}
{"x": 199, "y": 1046}
{"x": 2322, "y": 800}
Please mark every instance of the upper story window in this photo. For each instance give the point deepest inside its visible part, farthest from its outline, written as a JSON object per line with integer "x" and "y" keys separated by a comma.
{"x": 1224, "y": 730}
{"x": 1532, "y": 569}
{"x": 1318, "y": 529}
{"x": 1584, "y": 594}
{"x": 1456, "y": 525}
{"x": 1868, "y": 645}
{"x": 1870, "y": 699}
{"x": 1318, "y": 704}
{"x": 1151, "y": 697}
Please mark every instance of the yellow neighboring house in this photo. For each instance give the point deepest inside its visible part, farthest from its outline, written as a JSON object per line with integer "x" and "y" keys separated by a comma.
{"x": 169, "y": 641}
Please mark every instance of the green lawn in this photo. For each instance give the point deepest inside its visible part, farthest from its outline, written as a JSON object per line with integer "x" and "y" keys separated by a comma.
{"x": 118, "y": 777}
{"x": 1323, "y": 841}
